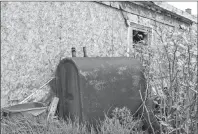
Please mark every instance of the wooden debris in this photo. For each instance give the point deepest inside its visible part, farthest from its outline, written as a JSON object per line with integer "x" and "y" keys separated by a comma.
{"x": 35, "y": 92}
{"x": 52, "y": 108}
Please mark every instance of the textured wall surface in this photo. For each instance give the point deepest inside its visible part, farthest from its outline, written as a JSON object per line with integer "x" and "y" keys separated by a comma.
{"x": 36, "y": 35}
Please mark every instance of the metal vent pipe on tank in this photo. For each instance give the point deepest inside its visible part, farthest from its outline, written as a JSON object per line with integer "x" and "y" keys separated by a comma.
{"x": 85, "y": 52}
{"x": 73, "y": 49}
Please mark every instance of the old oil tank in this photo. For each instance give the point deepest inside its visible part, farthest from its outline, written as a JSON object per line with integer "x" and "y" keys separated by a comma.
{"x": 89, "y": 87}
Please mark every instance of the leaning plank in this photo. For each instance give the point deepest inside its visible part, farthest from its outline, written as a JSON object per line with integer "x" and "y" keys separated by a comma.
{"x": 53, "y": 108}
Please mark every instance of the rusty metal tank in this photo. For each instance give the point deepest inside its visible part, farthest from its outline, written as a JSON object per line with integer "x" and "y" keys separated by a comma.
{"x": 89, "y": 87}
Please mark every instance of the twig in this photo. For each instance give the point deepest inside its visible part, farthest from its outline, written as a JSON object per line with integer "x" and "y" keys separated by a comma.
{"x": 146, "y": 112}
{"x": 174, "y": 130}
{"x": 174, "y": 57}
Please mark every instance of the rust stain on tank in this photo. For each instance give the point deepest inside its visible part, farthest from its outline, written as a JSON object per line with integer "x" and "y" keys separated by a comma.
{"x": 122, "y": 69}
{"x": 93, "y": 74}
{"x": 114, "y": 79}
{"x": 136, "y": 80}
{"x": 98, "y": 85}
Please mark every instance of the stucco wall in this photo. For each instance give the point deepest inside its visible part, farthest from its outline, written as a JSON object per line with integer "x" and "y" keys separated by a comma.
{"x": 36, "y": 35}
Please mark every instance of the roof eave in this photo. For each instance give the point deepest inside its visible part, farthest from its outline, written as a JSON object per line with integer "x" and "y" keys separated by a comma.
{"x": 169, "y": 10}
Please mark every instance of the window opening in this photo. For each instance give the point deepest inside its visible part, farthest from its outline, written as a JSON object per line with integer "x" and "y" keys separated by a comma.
{"x": 140, "y": 37}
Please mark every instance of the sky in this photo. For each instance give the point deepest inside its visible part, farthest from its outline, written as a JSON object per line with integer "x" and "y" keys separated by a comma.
{"x": 184, "y": 5}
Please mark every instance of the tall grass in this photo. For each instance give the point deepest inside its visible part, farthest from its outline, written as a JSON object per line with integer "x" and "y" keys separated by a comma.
{"x": 121, "y": 122}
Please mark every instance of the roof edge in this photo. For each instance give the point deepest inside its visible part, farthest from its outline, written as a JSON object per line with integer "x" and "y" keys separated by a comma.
{"x": 164, "y": 6}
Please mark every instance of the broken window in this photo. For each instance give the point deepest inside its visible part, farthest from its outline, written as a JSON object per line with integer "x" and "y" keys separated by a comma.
{"x": 140, "y": 34}
{"x": 140, "y": 37}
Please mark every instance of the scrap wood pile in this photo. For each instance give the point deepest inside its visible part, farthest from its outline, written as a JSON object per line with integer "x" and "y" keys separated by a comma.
{"x": 31, "y": 108}
{"x": 26, "y": 107}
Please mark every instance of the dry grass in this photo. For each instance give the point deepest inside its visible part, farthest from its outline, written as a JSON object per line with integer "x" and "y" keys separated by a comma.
{"x": 121, "y": 123}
